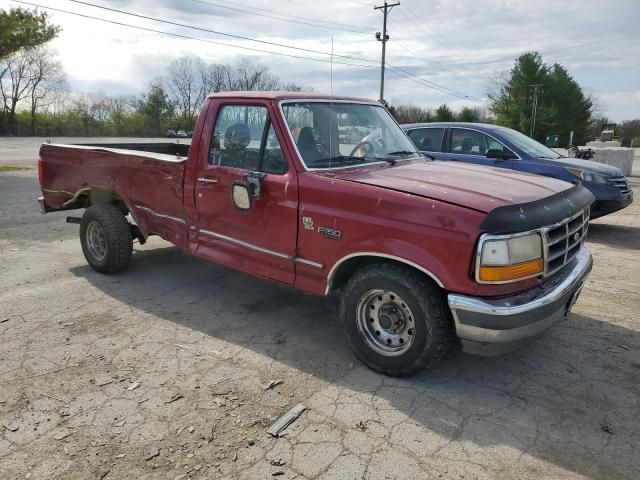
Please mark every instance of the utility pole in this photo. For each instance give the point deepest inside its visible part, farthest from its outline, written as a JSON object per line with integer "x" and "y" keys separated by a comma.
{"x": 386, "y": 8}
{"x": 534, "y": 109}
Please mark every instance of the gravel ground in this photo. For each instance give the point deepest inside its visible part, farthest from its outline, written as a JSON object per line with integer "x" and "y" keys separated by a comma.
{"x": 160, "y": 372}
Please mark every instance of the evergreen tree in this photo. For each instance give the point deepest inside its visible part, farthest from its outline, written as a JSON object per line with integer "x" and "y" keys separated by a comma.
{"x": 562, "y": 106}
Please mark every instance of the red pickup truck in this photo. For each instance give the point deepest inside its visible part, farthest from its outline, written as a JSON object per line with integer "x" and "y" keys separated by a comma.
{"x": 286, "y": 186}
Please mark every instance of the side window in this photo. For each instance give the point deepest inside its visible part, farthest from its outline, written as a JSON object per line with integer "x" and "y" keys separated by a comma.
{"x": 470, "y": 142}
{"x": 273, "y": 160}
{"x": 239, "y": 140}
{"x": 237, "y": 136}
{"x": 427, "y": 139}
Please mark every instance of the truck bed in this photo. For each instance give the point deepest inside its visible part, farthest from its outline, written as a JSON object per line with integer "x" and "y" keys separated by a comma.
{"x": 147, "y": 177}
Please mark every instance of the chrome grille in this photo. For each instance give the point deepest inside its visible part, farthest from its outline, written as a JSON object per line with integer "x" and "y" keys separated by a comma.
{"x": 621, "y": 183}
{"x": 563, "y": 240}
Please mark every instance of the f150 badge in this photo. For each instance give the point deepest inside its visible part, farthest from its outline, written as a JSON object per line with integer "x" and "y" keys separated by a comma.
{"x": 331, "y": 233}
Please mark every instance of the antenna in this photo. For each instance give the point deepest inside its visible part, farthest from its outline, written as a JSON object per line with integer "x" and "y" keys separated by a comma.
{"x": 331, "y": 87}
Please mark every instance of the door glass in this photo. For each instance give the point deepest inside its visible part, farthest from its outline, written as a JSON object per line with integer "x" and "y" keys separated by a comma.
{"x": 427, "y": 139}
{"x": 237, "y": 136}
{"x": 273, "y": 159}
{"x": 471, "y": 142}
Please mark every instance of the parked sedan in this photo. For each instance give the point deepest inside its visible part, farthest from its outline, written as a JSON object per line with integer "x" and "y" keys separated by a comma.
{"x": 503, "y": 147}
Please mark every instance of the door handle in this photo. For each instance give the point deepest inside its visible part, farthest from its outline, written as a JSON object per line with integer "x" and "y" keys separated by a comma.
{"x": 204, "y": 180}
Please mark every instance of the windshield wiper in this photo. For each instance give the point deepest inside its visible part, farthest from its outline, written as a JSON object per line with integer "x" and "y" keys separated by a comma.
{"x": 403, "y": 152}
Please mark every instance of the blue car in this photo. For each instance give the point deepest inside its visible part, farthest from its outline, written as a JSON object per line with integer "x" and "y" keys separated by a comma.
{"x": 503, "y": 147}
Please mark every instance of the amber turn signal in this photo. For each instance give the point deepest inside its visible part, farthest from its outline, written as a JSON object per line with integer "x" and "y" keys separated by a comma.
{"x": 512, "y": 272}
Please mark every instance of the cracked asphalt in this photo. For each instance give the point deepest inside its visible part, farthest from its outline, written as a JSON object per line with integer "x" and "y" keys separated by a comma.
{"x": 160, "y": 372}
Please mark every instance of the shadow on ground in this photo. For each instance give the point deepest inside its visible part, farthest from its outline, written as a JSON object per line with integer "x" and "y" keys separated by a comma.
{"x": 569, "y": 399}
{"x": 619, "y": 236}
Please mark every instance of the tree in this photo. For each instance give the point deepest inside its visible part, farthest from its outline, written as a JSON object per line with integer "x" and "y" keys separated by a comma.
{"x": 46, "y": 77}
{"x": 443, "y": 114}
{"x": 14, "y": 86}
{"x": 20, "y": 28}
{"x": 562, "y": 106}
{"x": 155, "y": 105}
{"x": 184, "y": 84}
{"x": 467, "y": 114}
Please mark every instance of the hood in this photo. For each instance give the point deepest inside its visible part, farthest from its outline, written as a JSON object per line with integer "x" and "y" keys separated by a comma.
{"x": 478, "y": 187}
{"x": 588, "y": 165}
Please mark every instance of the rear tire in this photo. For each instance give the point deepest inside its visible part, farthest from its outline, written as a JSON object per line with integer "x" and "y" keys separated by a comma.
{"x": 396, "y": 320}
{"x": 105, "y": 236}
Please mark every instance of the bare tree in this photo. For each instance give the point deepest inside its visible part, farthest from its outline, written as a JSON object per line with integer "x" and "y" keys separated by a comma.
{"x": 184, "y": 84}
{"x": 47, "y": 77}
{"x": 212, "y": 78}
{"x": 117, "y": 107}
{"x": 15, "y": 85}
{"x": 247, "y": 76}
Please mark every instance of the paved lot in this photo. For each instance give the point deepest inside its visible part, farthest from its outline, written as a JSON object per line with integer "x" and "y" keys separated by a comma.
{"x": 202, "y": 342}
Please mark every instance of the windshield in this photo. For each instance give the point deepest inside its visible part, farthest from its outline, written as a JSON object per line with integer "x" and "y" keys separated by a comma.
{"x": 528, "y": 145}
{"x": 336, "y": 134}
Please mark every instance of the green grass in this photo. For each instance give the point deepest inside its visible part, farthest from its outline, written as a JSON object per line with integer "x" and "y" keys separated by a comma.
{"x": 8, "y": 168}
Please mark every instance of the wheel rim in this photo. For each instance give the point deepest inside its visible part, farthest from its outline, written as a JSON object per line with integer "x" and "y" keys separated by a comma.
{"x": 385, "y": 322}
{"x": 96, "y": 242}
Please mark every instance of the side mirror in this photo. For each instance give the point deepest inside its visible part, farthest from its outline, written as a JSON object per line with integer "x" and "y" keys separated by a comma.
{"x": 498, "y": 154}
{"x": 241, "y": 193}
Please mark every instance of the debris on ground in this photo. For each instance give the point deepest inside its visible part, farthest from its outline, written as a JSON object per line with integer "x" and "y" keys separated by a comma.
{"x": 62, "y": 434}
{"x": 278, "y": 463}
{"x": 152, "y": 454}
{"x": 133, "y": 386}
{"x": 12, "y": 427}
{"x": 277, "y": 474}
{"x": 285, "y": 420}
{"x": 102, "y": 381}
{"x": 607, "y": 429}
{"x": 361, "y": 425}
{"x": 185, "y": 347}
{"x": 175, "y": 397}
{"x": 272, "y": 384}
{"x": 4, "y": 320}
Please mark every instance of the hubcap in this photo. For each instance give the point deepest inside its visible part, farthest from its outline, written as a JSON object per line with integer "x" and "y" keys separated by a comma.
{"x": 96, "y": 243}
{"x": 385, "y": 322}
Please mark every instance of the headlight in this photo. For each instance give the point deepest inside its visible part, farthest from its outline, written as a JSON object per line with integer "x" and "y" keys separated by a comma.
{"x": 587, "y": 176}
{"x": 507, "y": 258}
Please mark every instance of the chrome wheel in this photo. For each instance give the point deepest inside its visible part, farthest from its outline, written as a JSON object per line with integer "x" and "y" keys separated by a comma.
{"x": 385, "y": 322}
{"x": 96, "y": 242}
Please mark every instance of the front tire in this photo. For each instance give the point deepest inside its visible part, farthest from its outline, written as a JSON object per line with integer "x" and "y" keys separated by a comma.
{"x": 105, "y": 236}
{"x": 396, "y": 320}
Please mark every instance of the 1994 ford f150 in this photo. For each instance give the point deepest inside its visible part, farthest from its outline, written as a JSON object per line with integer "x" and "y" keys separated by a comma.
{"x": 426, "y": 254}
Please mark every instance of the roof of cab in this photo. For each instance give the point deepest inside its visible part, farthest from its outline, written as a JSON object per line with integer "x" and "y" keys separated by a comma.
{"x": 288, "y": 96}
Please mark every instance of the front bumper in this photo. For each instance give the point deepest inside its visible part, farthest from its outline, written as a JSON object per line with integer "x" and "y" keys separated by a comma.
{"x": 600, "y": 208}
{"x": 492, "y": 326}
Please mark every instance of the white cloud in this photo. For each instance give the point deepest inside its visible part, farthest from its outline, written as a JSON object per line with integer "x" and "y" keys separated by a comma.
{"x": 457, "y": 44}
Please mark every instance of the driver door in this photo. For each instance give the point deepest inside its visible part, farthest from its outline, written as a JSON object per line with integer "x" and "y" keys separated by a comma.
{"x": 245, "y": 147}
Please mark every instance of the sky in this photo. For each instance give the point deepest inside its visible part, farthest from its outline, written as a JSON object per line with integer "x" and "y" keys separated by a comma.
{"x": 440, "y": 51}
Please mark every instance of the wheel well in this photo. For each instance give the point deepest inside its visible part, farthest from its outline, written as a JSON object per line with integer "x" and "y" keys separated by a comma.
{"x": 339, "y": 278}
{"x": 99, "y": 196}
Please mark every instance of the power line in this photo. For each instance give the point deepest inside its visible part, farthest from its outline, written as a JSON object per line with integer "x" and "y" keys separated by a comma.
{"x": 431, "y": 61}
{"x": 399, "y": 71}
{"x": 216, "y": 32}
{"x": 349, "y": 57}
{"x": 187, "y": 37}
{"x": 303, "y": 21}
